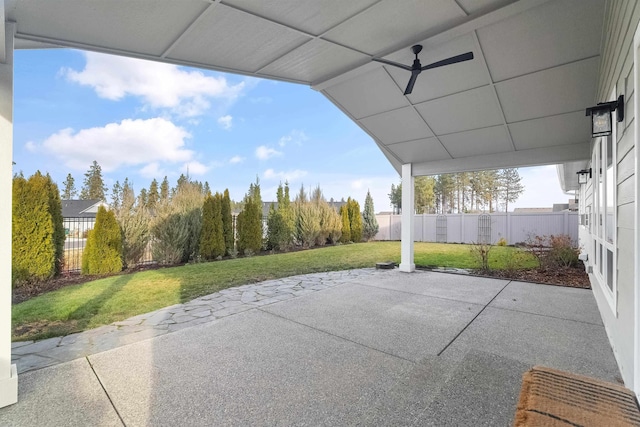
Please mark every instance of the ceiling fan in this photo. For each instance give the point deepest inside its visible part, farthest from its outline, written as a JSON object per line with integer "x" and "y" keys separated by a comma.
{"x": 417, "y": 68}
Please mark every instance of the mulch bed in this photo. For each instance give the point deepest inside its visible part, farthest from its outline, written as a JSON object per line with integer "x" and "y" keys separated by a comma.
{"x": 574, "y": 277}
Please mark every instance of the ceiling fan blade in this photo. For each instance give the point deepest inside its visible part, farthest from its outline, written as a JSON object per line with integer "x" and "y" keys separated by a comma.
{"x": 453, "y": 60}
{"x": 395, "y": 64}
{"x": 412, "y": 81}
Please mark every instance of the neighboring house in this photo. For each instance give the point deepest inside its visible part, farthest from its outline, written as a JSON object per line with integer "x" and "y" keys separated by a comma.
{"x": 79, "y": 216}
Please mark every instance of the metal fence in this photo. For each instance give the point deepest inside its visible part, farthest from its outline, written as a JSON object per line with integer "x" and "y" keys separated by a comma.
{"x": 472, "y": 228}
{"x": 76, "y": 230}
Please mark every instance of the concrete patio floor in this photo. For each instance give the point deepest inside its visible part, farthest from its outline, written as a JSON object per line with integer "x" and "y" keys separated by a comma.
{"x": 385, "y": 349}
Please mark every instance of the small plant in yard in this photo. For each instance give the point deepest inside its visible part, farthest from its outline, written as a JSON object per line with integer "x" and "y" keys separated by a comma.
{"x": 555, "y": 251}
{"x": 502, "y": 242}
{"x": 537, "y": 246}
{"x": 481, "y": 251}
{"x": 562, "y": 253}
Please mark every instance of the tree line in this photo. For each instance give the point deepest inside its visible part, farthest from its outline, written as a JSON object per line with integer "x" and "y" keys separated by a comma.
{"x": 481, "y": 191}
{"x": 186, "y": 223}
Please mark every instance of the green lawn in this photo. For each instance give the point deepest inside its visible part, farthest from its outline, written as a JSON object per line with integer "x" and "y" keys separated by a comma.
{"x": 99, "y": 302}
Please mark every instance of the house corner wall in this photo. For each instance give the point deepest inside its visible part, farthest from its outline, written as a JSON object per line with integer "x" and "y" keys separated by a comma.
{"x": 617, "y": 72}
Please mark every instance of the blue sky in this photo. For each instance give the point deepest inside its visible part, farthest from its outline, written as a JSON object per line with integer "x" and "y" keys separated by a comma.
{"x": 145, "y": 120}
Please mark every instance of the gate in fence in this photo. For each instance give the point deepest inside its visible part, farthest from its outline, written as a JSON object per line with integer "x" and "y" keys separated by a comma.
{"x": 484, "y": 229}
{"x": 441, "y": 229}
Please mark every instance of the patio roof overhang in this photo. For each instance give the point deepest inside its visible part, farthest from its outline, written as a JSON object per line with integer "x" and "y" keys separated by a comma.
{"x": 520, "y": 102}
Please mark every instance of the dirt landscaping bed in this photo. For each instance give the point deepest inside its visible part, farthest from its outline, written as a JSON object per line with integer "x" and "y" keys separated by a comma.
{"x": 574, "y": 277}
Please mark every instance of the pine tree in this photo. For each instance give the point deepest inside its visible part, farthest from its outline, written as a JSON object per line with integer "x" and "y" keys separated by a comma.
{"x": 69, "y": 191}
{"x": 206, "y": 190}
{"x": 116, "y": 196}
{"x": 395, "y": 197}
{"x": 143, "y": 198}
{"x": 164, "y": 189}
{"x": 346, "y": 228}
{"x": 369, "y": 222}
{"x": 510, "y": 185}
{"x": 93, "y": 186}
{"x": 227, "y": 222}
{"x": 153, "y": 195}
{"x": 424, "y": 194}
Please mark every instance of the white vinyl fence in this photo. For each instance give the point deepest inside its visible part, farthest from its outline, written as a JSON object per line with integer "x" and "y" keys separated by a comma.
{"x": 471, "y": 228}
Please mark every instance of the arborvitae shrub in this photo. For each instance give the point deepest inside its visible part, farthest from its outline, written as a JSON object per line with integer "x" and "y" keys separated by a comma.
{"x": 103, "y": 253}
{"x": 241, "y": 242}
{"x": 206, "y": 233}
{"x": 55, "y": 210}
{"x": 33, "y": 252}
{"x": 355, "y": 220}
{"x": 275, "y": 229}
{"x": 37, "y": 231}
{"x": 212, "y": 243}
{"x": 346, "y": 227}
{"x": 250, "y": 230}
{"x": 227, "y": 222}
{"x": 369, "y": 222}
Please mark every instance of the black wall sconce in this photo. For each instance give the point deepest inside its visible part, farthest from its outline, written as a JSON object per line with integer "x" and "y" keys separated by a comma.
{"x": 601, "y": 116}
{"x": 583, "y": 175}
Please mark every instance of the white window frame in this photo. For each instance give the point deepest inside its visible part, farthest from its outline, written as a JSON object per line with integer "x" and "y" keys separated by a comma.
{"x": 599, "y": 220}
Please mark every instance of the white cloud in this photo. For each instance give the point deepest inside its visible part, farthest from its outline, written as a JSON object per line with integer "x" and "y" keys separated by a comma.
{"x": 186, "y": 93}
{"x": 195, "y": 168}
{"x": 236, "y": 159}
{"x": 295, "y": 136}
{"x": 225, "y": 122}
{"x": 358, "y": 184}
{"x": 263, "y": 152}
{"x": 130, "y": 142}
{"x": 289, "y": 176}
{"x": 261, "y": 100}
{"x": 152, "y": 170}
{"x": 31, "y": 146}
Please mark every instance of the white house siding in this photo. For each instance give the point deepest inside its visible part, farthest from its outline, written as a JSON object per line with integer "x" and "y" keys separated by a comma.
{"x": 617, "y": 71}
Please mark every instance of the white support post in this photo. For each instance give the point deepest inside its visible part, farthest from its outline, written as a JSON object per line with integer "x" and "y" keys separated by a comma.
{"x": 8, "y": 372}
{"x": 408, "y": 214}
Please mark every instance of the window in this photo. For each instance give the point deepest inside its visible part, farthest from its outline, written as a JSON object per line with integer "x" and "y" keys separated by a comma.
{"x": 603, "y": 225}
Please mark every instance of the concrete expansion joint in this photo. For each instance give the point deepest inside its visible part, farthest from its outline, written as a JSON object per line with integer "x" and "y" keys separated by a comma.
{"x": 474, "y": 319}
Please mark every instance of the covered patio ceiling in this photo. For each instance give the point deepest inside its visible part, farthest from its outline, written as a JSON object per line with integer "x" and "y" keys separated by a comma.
{"x": 520, "y": 102}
